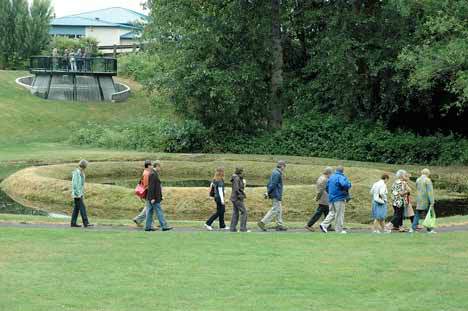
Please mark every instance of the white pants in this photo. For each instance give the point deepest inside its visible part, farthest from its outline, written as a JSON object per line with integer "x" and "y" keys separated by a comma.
{"x": 337, "y": 210}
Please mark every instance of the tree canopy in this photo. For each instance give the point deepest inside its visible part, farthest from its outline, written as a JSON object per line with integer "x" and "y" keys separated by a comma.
{"x": 242, "y": 65}
{"x": 24, "y": 30}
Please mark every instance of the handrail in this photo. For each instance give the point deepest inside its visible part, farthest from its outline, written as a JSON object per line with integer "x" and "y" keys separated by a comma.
{"x": 86, "y": 65}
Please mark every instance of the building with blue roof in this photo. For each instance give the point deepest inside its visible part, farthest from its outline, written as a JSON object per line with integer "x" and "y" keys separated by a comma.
{"x": 111, "y": 26}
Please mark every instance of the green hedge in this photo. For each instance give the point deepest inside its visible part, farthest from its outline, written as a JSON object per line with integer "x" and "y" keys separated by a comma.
{"x": 331, "y": 137}
{"x": 312, "y": 135}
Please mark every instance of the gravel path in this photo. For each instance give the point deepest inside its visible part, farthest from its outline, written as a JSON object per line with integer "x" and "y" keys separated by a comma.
{"x": 455, "y": 228}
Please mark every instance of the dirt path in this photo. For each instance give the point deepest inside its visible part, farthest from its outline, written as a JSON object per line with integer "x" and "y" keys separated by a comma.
{"x": 455, "y": 228}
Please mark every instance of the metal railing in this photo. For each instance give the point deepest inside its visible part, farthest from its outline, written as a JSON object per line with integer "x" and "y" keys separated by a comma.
{"x": 85, "y": 65}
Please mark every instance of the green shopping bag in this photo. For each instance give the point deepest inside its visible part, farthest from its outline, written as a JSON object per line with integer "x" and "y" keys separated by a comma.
{"x": 430, "y": 220}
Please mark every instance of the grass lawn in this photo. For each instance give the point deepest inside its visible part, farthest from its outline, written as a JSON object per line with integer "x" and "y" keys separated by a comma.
{"x": 27, "y": 118}
{"x": 61, "y": 269}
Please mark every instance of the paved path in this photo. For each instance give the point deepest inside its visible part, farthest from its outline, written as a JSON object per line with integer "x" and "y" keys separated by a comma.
{"x": 4, "y": 224}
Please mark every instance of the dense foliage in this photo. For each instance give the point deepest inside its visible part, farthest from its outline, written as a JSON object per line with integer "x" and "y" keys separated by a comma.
{"x": 145, "y": 134}
{"x": 62, "y": 43}
{"x": 402, "y": 63}
{"x": 311, "y": 135}
{"x": 24, "y": 31}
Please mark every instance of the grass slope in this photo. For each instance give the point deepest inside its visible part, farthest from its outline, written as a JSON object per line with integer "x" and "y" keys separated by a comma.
{"x": 57, "y": 269}
{"x": 27, "y": 118}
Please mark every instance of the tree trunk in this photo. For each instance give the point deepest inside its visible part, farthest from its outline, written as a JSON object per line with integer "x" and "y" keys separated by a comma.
{"x": 276, "y": 105}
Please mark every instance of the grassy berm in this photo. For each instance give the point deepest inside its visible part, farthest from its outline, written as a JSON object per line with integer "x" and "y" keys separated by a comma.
{"x": 49, "y": 188}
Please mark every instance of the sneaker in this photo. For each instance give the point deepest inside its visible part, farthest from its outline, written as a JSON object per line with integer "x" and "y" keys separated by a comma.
{"x": 89, "y": 225}
{"x": 209, "y": 228}
{"x": 261, "y": 225}
{"x": 376, "y": 231}
{"x": 137, "y": 223}
{"x": 226, "y": 228}
{"x": 410, "y": 230}
{"x": 343, "y": 232}
{"x": 387, "y": 231}
{"x": 431, "y": 232}
{"x": 75, "y": 226}
{"x": 311, "y": 229}
{"x": 167, "y": 228}
{"x": 151, "y": 229}
{"x": 323, "y": 228}
{"x": 281, "y": 228}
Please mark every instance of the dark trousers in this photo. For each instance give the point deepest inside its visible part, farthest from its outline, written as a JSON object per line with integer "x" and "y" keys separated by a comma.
{"x": 220, "y": 209}
{"x": 321, "y": 210}
{"x": 397, "y": 219}
{"x": 79, "y": 208}
{"x": 239, "y": 211}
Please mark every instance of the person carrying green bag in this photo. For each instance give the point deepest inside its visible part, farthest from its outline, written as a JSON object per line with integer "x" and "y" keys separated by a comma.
{"x": 430, "y": 220}
{"x": 425, "y": 202}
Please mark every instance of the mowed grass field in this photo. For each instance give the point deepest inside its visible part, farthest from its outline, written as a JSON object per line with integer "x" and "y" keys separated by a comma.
{"x": 62, "y": 269}
{"x": 65, "y": 269}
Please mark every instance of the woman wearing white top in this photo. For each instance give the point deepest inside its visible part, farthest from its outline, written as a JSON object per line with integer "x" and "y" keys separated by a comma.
{"x": 218, "y": 188}
{"x": 379, "y": 203}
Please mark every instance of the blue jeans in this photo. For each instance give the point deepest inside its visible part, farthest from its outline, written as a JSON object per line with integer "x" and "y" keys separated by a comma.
{"x": 150, "y": 208}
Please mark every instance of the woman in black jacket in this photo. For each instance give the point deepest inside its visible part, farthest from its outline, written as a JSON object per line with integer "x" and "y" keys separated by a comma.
{"x": 217, "y": 191}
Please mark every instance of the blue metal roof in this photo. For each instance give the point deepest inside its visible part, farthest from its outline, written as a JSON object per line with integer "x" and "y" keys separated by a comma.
{"x": 130, "y": 35}
{"x": 67, "y": 30}
{"x": 80, "y": 21}
{"x": 115, "y": 15}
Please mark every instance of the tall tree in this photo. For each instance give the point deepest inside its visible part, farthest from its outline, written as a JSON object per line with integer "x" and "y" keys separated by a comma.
{"x": 276, "y": 108}
{"x": 23, "y": 30}
{"x": 38, "y": 26}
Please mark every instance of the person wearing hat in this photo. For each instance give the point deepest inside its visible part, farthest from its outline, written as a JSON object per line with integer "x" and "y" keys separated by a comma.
{"x": 78, "y": 182}
{"x": 275, "y": 192}
{"x": 153, "y": 200}
{"x": 237, "y": 198}
{"x": 138, "y": 220}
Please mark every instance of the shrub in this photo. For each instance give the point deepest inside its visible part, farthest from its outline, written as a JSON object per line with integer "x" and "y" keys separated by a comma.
{"x": 145, "y": 134}
{"x": 62, "y": 43}
{"x": 332, "y": 137}
{"x": 312, "y": 135}
{"x": 138, "y": 66}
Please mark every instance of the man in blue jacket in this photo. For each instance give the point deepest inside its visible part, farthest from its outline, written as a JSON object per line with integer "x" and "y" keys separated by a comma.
{"x": 275, "y": 192}
{"x": 338, "y": 186}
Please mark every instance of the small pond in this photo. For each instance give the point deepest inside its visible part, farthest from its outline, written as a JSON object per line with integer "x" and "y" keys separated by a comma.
{"x": 8, "y": 206}
{"x": 170, "y": 182}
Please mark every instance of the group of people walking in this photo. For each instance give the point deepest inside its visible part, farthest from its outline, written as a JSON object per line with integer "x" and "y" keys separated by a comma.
{"x": 71, "y": 60}
{"x": 401, "y": 202}
{"x": 333, "y": 193}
